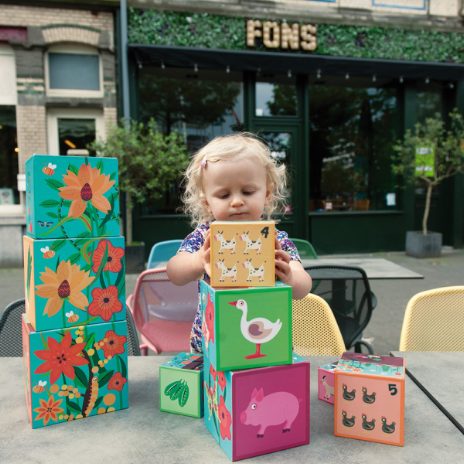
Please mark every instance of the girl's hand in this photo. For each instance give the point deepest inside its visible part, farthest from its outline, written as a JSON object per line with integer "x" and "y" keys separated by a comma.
{"x": 283, "y": 270}
{"x": 204, "y": 254}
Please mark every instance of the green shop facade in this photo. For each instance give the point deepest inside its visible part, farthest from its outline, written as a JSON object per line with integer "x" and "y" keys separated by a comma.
{"x": 329, "y": 99}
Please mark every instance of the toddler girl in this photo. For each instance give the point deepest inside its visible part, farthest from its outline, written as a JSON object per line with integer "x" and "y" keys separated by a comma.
{"x": 233, "y": 178}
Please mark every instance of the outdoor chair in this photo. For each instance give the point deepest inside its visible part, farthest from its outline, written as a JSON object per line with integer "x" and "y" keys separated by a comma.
{"x": 315, "y": 330}
{"x": 11, "y": 329}
{"x": 161, "y": 252}
{"x": 305, "y": 249}
{"x": 163, "y": 312}
{"x": 434, "y": 321}
{"x": 347, "y": 291}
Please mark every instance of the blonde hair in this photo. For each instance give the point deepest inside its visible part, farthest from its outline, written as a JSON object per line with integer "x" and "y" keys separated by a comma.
{"x": 226, "y": 148}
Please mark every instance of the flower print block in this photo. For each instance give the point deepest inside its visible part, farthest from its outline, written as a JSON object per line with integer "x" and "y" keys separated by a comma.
{"x": 72, "y": 196}
{"x": 72, "y": 282}
{"x": 75, "y": 373}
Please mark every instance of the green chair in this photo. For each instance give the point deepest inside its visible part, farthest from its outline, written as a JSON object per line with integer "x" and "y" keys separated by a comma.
{"x": 305, "y": 249}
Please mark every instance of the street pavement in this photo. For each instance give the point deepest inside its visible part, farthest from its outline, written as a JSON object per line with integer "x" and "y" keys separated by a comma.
{"x": 392, "y": 295}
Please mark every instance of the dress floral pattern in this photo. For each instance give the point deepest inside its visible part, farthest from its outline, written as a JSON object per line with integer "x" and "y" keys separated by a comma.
{"x": 192, "y": 243}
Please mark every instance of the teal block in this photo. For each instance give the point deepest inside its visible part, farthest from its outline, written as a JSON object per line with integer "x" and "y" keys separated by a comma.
{"x": 181, "y": 385}
{"x": 73, "y": 282}
{"x": 246, "y": 327}
{"x": 91, "y": 377}
{"x": 72, "y": 196}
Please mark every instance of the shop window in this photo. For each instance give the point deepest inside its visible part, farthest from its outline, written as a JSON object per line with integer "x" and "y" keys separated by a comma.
{"x": 275, "y": 96}
{"x": 429, "y": 100}
{"x": 73, "y": 70}
{"x": 352, "y": 133}
{"x": 200, "y": 105}
{"x": 8, "y": 157}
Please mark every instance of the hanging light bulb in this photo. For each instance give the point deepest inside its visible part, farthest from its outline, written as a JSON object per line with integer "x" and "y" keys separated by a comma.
{"x": 374, "y": 78}
{"x": 163, "y": 66}
{"x": 228, "y": 69}
{"x": 451, "y": 85}
{"x": 289, "y": 74}
{"x": 347, "y": 76}
{"x": 318, "y": 74}
{"x": 427, "y": 80}
{"x": 195, "y": 68}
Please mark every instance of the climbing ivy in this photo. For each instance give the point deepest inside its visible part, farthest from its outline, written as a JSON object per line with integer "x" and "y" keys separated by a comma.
{"x": 152, "y": 27}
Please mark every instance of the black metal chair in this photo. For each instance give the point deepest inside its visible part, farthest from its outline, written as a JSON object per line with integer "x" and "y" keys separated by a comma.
{"x": 11, "y": 331}
{"x": 348, "y": 293}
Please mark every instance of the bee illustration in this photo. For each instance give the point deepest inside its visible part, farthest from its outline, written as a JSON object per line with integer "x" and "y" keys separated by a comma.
{"x": 49, "y": 170}
{"x": 72, "y": 317}
{"x": 40, "y": 387}
{"x": 47, "y": 253}
{"x": 45, "y": 223}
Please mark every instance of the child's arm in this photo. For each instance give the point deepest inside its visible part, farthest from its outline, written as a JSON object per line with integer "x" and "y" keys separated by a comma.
{"x": 292, "y": 273}
{"x": 186, "y": 267}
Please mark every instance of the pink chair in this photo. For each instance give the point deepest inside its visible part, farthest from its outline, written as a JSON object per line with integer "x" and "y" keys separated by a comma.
{"x": 163, "y": 312}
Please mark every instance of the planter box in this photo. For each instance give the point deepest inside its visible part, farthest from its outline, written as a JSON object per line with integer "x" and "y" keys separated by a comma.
{"x": 72, "y": 196}
{"x": 419, "y": 245}
{"x": 257, "y": 411}
{"x": 90, "y": 377}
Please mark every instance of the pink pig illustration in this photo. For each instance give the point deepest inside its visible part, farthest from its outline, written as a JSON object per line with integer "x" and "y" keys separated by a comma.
{"x": 273, "y": 409}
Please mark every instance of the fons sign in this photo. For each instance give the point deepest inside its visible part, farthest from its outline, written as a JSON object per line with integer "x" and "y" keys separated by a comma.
{"x": 274, "y": 34}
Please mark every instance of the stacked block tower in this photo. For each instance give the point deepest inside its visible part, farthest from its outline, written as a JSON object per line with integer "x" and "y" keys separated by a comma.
{"x": 256, "y": 394}
{"x": 74, "y": 329}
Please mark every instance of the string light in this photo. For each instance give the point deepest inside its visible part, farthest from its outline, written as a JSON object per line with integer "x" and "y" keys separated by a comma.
{"x": 374, "y": 78}
{"x": 163, "y": 66}
{"x": 427, "y": 80}
{"x": 347, "y": 76}
{"x": 318, "y": 74}
{"x": 451, "y": 85}
{"x": 195, "y": 68}
{"x": 289, "y": 73}
{"x": 401, "y": 79}
{"x": 228, "y": 69}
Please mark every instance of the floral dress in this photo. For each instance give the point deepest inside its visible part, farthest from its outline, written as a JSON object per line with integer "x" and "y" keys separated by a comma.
{"x": 192, "y": 243}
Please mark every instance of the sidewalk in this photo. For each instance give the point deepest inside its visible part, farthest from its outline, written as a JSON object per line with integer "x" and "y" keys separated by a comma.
{"x": 392, "y": 295}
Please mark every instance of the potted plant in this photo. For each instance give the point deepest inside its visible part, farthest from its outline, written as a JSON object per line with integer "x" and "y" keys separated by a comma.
{"x": 150, "y": 162}
{"x": 427, "y": 155}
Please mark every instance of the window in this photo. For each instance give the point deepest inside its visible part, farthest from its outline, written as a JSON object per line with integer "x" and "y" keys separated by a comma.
{"x": 8, "y": 157}
{"x": 352, "y": 133}
{"x": 73, "y": 70}
{"x": 275, "y": 96}
{"x": 200, "y": 105}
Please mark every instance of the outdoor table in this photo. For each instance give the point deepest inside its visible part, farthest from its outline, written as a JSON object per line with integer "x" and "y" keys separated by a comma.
{"x": 143, "y": 434}
{"x": 431, "y": 372}
{"x": 375, "y": 268}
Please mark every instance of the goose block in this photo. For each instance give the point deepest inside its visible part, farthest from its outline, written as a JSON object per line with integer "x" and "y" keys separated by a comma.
{"x": 72, "y": 196}
{"x": 71, "y": 282}
{"x": 242, "y": 253}
{"x": 257, "y": 411}
{"x": 245, "y": 328}
{"x": 181, "y": 385}
{"x": 74, "y": 373}
{"x": 369, "y": 395}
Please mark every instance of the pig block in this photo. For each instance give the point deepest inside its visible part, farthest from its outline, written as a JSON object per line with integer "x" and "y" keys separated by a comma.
{"x": 73, "y": 282}
{"x": 369, "y": 398}
{"x": 257, "y": 411}
{"x": 242, "y": 254}
{"x": 74, "y": 373}
{"x": 325, "y": 382}
{"x": 247, "y": 327}
{"x": 72, "y": 196}
{"x": 181, "y": 385}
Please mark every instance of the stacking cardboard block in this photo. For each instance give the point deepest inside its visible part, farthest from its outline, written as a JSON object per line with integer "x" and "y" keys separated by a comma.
{"x": 246, "y": 327}
{"x": 73, "y": 282}
{"x": 369, "y": 398}
{"x": 74, "y": 373}
{"x": 72, "y": 196}
{"x": 242, "y": 254}
{"x": 257, "y": 411}
{"x": 181, "y": 385}
{"x": 325, "y": 382}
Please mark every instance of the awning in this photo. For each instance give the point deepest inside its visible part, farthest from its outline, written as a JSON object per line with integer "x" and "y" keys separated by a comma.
{"x": 297, "y": 63}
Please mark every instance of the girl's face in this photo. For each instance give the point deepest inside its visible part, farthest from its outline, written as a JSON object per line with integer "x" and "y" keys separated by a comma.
{"x": 236, "y": 189}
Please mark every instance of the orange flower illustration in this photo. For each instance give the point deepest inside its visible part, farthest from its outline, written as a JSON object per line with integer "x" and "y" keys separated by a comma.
{"x": 113, "y": 260}
{"x": 117, "y": 382}
{"x": 48, "y": 410}
{"x": 60, "y": 358}
{"x": 105, "y": 302}
{"x": 66, "y": 283}
{"x": 113, "y": 343}
{"x": 88, "y": 185}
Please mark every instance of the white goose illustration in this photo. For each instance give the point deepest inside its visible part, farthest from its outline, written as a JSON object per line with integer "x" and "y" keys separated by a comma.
{"x": 258, "y": 330}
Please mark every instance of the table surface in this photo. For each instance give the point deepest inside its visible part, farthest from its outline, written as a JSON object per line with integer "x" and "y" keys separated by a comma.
{"x": 375, "y": 268}
{"x": 431, "y": 370}
{"x": 144, "y": 434}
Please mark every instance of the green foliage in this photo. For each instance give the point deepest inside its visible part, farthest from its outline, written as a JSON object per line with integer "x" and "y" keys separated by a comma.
{"x": 447, "y": 140}
{"x": 214, "y": 31}
{"x": 149, "y": 161}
